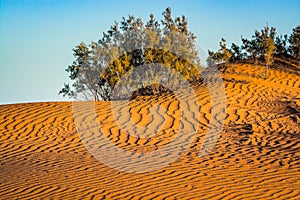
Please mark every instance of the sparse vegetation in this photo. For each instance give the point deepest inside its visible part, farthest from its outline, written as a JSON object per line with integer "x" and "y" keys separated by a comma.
{"x": 223, "y": 55}
{"x": 294, "y": 40}
{"x": 98, "y": 67}
{"x": 262, "y": 48}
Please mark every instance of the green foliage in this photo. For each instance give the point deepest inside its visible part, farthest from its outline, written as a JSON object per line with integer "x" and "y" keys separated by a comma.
{"x": 294, "y": 40}
{"x": 269, "y": 49}
{"x": 99, "y": 67}
{"x": 263, "y": 46}
{"x": 281, "y": 44}
{"x": 223, "y": 55}
{"x": 236, "y": 53}
{"x": 257, "y": 47}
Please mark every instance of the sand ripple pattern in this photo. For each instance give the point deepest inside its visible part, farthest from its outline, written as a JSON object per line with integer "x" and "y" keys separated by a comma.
{"x": 257, "y": 156}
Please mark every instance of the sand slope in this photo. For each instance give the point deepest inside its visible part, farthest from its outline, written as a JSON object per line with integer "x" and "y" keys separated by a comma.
{"x": 257, "y": 155}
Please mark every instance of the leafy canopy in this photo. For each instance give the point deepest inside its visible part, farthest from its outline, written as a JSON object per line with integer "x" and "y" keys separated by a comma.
{"x": 99, "y": 66}
{"x": 263, "y": 46}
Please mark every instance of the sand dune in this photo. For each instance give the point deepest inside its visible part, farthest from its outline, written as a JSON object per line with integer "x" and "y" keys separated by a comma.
{"x": 43, "y": 156}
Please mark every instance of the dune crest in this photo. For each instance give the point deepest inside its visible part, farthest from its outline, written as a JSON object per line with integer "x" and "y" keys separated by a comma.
{"x": 257, "y": 155}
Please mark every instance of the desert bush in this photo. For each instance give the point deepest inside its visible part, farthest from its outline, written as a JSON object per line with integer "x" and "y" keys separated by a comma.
{"x": 99, "y": 66}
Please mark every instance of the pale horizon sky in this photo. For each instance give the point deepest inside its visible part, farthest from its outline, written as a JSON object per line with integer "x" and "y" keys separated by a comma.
{"x": 37, "y": 36}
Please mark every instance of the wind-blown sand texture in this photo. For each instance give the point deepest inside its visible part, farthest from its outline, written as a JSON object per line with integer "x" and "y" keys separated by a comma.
{"x": 256, "y": 157}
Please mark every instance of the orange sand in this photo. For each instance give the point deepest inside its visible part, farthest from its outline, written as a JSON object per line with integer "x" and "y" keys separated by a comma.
{"x": 257, "y": 155}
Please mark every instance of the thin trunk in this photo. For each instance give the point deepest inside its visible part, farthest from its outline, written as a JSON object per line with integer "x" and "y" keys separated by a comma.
{"x": 267, "y": 72}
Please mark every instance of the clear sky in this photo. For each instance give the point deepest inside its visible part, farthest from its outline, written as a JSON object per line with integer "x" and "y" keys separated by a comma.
{"x": 37, "y": 36}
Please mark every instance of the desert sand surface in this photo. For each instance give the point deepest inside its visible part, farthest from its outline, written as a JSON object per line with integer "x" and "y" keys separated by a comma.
{"x": 256, "y": 157}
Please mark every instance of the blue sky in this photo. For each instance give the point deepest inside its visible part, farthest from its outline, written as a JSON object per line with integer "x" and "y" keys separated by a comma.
{"x": 37, "y": 36}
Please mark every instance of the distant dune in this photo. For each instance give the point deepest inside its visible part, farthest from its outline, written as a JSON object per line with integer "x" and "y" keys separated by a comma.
{"x": 257, "y": 156}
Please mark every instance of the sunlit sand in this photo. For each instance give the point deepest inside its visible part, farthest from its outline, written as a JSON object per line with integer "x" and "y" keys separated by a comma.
{"x": 257, "y": 155}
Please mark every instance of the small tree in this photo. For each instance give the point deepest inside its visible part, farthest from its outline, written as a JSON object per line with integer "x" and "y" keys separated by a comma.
{"x": 269, "y": 49}
{"x": 265, "y": 39}
{"x": 237, "y": 54}
{"x": 99, "y": 67}
{"x": 294, "y": 41}
{"x": 281, "y": 44}
{"x": 251, "y": 49}
{"x": 223, "y": 55}
{"x": 263, "y": 46}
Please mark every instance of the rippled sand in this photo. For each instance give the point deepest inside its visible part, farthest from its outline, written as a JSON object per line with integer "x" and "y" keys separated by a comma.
{"x": 257, "y": 155}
